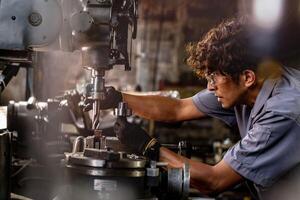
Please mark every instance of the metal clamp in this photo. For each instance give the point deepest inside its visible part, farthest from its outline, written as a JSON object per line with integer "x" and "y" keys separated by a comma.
{"x": 123, "y": 110}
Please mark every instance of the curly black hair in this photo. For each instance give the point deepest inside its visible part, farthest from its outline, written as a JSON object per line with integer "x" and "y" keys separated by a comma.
{"x": 224, "y": 49}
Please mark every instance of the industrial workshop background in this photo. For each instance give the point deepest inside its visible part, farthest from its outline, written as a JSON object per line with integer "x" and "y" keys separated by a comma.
{"x": 158, "y": 66}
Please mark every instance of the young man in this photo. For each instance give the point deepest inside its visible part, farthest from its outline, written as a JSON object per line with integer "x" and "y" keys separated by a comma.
{"x": 262, "y": 98}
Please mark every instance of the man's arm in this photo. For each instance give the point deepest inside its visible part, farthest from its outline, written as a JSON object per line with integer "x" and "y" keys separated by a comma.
{"x": 162, "y": 108}
{"x": 207, "y": 179}
{"x": 152, "y": 107}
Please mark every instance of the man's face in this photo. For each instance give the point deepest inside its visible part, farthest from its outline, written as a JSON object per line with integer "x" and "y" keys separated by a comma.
{"x": 228, "y": 92}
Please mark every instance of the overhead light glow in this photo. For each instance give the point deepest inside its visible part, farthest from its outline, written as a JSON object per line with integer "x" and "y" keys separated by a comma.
{"x": 267, "y": 13}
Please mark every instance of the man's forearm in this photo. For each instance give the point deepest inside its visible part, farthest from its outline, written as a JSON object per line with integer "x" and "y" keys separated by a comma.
{"x": 206, "y": 178}
{"x": 201, "y": 174}
{"x": 152, "y": 107}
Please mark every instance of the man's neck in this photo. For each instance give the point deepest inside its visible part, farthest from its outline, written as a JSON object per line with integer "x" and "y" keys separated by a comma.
{"x": 253, "y": 93}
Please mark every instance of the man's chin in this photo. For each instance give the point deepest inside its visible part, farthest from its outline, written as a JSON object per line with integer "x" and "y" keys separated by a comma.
{"x": 226, "y": 106}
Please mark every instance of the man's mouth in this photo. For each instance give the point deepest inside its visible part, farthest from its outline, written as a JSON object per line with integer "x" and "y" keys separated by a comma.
{"x": 219, "y": 98}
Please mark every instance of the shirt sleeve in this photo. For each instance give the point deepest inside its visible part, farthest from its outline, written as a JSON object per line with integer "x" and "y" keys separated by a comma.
{"x": 268, "y": 151}
{"x": 207, "y": 103}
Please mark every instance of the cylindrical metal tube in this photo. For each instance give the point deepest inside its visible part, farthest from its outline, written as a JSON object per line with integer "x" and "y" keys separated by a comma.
{"x": 5, "y": 165}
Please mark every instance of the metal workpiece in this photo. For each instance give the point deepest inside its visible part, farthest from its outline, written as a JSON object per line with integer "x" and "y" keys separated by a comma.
{"x": 101, "y": 154}
{"x": 90, "y": 142}
{"x": 114, "y": 144}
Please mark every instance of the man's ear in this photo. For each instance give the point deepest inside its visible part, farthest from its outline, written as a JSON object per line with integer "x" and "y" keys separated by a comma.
{"x": 249, "y": 78}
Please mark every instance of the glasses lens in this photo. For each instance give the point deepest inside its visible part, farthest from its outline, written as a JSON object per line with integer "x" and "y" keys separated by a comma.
{"x": 210, "y": 79}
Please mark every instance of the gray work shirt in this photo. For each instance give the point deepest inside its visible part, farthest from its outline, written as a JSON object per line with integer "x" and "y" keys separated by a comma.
{"x": 269, "y": 148}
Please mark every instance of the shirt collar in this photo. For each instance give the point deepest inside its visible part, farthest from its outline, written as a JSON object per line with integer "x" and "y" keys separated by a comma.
{"x": 263, "y": 96}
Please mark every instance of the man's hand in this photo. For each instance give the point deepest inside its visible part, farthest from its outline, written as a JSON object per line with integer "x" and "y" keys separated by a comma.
{"x": 136, "y": 138}
{"x": 112, "y": 99}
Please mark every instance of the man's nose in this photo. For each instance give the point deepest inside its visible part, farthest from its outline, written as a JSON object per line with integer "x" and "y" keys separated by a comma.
{"x": 210, "y": 87}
